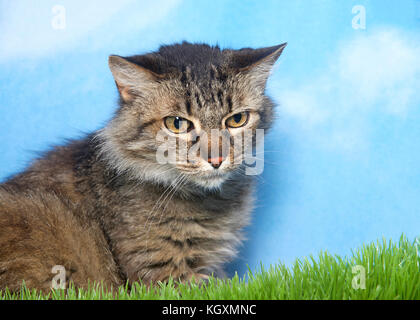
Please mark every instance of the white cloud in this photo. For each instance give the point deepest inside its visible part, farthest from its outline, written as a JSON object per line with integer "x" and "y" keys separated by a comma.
{"x": 26, "y": 26}
{"x": 373, "y": 73}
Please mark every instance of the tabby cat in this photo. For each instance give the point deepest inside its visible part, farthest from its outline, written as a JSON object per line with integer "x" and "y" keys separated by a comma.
{"x": 106, "y": 210}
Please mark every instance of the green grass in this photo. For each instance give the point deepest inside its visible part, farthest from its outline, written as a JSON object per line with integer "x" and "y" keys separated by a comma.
{"x": 392, "y": 272}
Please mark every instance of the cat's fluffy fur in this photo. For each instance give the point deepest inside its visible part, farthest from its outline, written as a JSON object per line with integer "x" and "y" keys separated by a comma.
{"x": 103, "y": 208}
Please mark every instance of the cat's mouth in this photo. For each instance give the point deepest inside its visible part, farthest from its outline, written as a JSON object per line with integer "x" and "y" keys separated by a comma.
{"x": 210, "y": 174}
{"x": 209, "y": 179}
{"x": 213, "y": 175}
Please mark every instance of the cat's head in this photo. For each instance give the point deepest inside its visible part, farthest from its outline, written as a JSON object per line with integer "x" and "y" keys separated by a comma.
{"x": 182, "y": 92}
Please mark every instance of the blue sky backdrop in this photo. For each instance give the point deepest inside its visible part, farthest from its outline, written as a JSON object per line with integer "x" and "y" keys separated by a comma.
{"x": 343, "y": 161}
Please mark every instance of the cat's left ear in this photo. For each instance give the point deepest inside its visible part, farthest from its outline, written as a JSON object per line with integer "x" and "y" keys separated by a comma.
{"x": 131, "y": 78}
{"x": 256, "y": 64}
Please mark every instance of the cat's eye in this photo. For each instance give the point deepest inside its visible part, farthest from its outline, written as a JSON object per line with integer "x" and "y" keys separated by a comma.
{"x": 178, "y": 124}
{"x": 237, "y": 120}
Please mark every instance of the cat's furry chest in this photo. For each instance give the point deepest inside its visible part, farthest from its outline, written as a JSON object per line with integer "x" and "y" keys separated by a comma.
{"x": 178, "y": 236}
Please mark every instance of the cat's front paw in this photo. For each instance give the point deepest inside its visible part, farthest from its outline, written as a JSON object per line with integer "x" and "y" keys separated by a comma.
{"x": 198, "y": 278}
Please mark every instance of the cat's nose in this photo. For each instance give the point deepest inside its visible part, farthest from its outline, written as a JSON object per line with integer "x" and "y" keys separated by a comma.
{"x": 215, "y": 162}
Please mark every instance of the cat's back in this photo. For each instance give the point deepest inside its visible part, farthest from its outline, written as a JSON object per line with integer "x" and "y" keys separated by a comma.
{"x": 54, "y": 170}
{"x": 39, "y": 231}
{"x": 43, "y": 224}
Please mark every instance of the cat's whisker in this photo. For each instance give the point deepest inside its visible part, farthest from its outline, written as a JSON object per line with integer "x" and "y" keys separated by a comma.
{"x": 157, "y": 205}
{"x": 171, "y": 193}
{"x": 159, "y": 201}
{"x": 243, "y": 173}
{"x": 178, "y": 186}
{"x": 266, "y": 161}
{"x": 168, "y": 196}
{"x": 142, "y": 182}
{"x": 269, "y": 151}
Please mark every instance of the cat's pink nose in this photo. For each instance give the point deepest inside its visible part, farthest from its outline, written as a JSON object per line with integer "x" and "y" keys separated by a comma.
{"x": 215, "y": 162}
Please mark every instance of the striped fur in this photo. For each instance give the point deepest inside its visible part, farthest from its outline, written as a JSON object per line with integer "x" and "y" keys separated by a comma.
{"x": 107, "y": 211}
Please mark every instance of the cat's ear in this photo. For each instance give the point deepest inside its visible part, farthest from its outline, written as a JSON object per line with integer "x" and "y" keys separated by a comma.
{"x": 256, "y": 64}
{"x": 131, "y": 78}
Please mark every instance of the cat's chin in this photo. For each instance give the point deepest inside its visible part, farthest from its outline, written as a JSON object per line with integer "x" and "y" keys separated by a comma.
{"x": 210, "y": 182}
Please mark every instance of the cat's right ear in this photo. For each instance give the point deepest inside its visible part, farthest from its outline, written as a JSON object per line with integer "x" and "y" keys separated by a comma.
{"x": 131, "y": 78}
{"x": 256, "y": 64}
